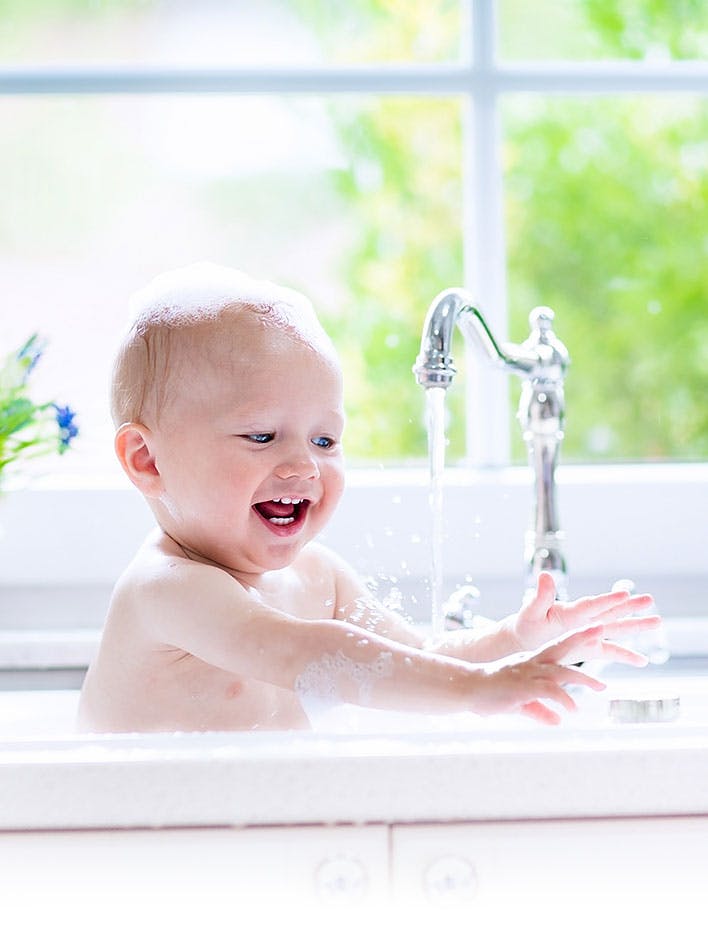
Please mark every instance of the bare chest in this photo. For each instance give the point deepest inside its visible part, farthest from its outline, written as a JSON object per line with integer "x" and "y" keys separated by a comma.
{"x": 208, "y": 698}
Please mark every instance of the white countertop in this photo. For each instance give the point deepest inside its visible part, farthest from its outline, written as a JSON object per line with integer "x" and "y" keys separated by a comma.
{"x": 392, "y": 770}
{"x": 495, "y": 770}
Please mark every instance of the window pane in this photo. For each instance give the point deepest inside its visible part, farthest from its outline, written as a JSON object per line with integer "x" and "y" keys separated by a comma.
{"x": 357, "y": 202}
{"x": 596, "y": 29}
{"x": 223, "y": 33}
{"x": 606, "y": 205}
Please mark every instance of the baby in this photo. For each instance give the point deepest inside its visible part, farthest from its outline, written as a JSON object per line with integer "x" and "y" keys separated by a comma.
{"x": 227, "y": 398}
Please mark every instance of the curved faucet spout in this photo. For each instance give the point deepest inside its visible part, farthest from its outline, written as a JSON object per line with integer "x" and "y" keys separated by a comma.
{"x": 435, "y": 367}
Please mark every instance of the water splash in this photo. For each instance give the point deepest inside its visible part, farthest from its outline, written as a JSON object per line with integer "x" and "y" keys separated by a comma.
{"x": 652, "y": 643}
{"x": 436, "y": 450}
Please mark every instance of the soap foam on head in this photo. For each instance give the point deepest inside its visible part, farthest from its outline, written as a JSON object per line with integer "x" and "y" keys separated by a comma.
{"x": 195, "y": 296}
{"x": 202, "y": 291}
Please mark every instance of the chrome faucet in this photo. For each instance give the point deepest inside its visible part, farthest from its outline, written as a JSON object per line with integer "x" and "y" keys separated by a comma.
{"x": 541, "y": 362}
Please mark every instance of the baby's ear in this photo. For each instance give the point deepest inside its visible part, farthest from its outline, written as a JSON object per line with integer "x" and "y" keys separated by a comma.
{"x": 134, "y": 451}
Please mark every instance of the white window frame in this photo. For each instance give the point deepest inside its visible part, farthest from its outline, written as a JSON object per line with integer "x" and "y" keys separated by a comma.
{"x": 29, "y": 559}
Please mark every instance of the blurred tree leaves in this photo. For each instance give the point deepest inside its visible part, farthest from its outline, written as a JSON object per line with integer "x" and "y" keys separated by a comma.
{"x": 605, "y": 203}
{"x": 606, "y": 223}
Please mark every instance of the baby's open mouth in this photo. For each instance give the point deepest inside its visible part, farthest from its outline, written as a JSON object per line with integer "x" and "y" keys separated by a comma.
{"x": 282, "y": 511}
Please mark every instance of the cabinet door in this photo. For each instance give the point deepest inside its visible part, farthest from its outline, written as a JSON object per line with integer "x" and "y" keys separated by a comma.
{"x": 647, "y": 875}
{"x": 179, "y": 884}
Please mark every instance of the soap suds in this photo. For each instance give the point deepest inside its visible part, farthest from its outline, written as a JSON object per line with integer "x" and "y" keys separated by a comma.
{"x": 320, "y": 680}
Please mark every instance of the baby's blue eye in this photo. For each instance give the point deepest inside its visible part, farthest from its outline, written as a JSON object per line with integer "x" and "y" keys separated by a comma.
{"x": 324, "y": 442}
{"x": 259, "y": 437}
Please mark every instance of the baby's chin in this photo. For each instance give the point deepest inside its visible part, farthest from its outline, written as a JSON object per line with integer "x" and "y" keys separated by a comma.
{"x": 249, "y": 570}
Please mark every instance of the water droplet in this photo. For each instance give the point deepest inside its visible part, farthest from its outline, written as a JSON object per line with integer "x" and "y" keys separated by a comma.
{"x": 393, "y": 599}
{"x": 624, "y": 583}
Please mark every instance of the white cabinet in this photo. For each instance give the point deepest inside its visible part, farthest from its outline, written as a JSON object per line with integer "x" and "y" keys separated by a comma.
{"x": 643, "y": 879}
{"x": 187, "y": 884}
{"x": 566, "y": 877}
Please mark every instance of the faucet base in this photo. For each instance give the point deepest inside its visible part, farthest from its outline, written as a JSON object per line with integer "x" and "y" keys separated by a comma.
{"x": 544, "y": 552}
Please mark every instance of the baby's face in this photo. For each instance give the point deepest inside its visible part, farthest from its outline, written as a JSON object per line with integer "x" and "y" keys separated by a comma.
{"x": 249, "y": 448}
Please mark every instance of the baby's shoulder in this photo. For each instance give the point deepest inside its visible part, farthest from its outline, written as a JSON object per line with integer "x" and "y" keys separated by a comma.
{"x": 161, "y": 568}
{"x": 325, "y": 570}
{"x": 317, "y": 560}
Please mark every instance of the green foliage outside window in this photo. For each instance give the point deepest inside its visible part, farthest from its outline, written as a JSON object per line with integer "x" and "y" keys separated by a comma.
{"x": 606, "y": 214}
{"x": 606, "y": 202}
{"x": 605, "y": 209}
{"x": 407, "y": 246}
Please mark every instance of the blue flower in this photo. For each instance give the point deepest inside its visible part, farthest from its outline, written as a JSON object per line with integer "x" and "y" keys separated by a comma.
{"x": 30, "y": 353}
{"x": 67, "y": 427}
{"x": 29, "y": 429}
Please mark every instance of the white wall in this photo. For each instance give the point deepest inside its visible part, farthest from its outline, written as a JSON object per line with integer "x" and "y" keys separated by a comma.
{"x": 62, "y": 549}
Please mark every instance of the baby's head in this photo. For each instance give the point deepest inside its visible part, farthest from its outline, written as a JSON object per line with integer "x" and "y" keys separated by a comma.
{"x": 227, "y": 396}
{"x": 187, "y": 317}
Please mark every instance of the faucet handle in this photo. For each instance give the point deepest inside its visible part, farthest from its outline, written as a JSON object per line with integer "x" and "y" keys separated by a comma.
{"x": 541, "y": 319}
{"x": 549, "y": 350}
{"x": 461, "y": 607}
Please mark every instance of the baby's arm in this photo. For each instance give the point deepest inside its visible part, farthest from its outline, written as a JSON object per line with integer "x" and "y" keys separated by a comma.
{"x": 543, "y": 618}
{"x": 202, "y": 610}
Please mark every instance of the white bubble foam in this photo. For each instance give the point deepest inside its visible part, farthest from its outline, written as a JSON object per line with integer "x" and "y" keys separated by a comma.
{"x": 202, "y": 290}
{"x": 319, "y": 682}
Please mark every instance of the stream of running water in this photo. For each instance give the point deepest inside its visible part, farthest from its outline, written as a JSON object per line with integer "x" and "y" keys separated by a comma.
{"x": 436, "y": 451}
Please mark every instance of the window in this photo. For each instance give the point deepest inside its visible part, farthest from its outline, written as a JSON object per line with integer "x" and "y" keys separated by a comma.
{"x": 372, "y": 154}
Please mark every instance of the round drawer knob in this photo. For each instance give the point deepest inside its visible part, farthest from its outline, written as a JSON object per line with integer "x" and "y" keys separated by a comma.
{"x": 451, "y": 878}
{"x": 341, "y": 878}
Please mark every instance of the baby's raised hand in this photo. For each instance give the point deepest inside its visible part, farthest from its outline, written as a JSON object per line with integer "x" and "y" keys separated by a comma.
{"x": 523, "y": 686}
{"x": 544, "y": 618}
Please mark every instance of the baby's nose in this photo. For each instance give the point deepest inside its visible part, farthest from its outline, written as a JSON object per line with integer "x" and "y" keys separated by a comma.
{"x": 301, "y": 467}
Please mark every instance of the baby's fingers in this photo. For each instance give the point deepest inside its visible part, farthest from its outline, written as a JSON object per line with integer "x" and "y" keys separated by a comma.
{"x": 573, "y": 676}
{"x": 628, "y": 607}
{"x": 615, "y": 653}
{"x": 551, "y": 689}
{"x": 540, "y": 712}
{"x": 604, "y": 607}
{"x": 542, "y": 601}
{"x": 631, "y": 625}
{"x": 576, "y": 647}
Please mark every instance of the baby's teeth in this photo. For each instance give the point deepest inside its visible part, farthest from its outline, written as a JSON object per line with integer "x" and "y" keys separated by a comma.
{"x": 288, "y": 501}
{"x": 281, "y": 521}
